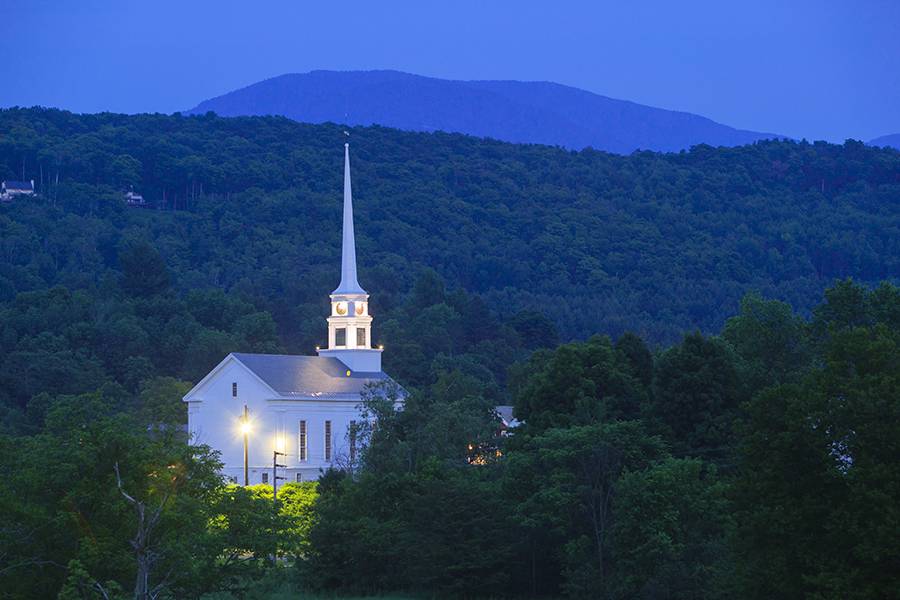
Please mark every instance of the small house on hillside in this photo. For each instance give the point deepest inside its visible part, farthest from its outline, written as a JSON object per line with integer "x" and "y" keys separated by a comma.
{"x": 507, "y": 420}
{"x": 11, "y": 189}
{"x": 133, "y": 199}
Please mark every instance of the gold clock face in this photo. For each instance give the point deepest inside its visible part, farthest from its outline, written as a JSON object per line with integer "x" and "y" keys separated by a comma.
{"x": 340, "y": 308}
{"x": 359, "y": 309}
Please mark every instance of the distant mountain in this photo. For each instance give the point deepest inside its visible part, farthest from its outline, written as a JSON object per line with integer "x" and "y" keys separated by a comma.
{"x": 892, "y": 141}
{"x": 514, "y": 111}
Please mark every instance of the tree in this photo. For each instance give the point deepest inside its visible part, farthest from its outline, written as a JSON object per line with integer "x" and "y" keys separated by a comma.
{"x": 697, "y": 391}
{"x": 819, "y": 478}
{"x": 577, "y": 384}
{"x": 770, "y": 339}
{"x": 670, "y": 536}
{"x": 62, "y": 490}
{"x": 535, "y": 329}
{"x": 297, "y": 504}
{"x": 637, "y": 356}
{"x": 564, "y": 482}
{"x": 160, "y": 402}
{"x": 146, "y": 556}
{"x": 80, "y": 586}
{"x": 144, "y": 271}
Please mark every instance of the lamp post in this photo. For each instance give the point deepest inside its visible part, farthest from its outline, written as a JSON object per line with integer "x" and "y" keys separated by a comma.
{"x": 245, "y": 429}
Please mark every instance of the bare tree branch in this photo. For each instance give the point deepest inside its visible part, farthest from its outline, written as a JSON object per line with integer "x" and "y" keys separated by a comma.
{"x": 102, "y": 590}
{"x": 119, "y": 484}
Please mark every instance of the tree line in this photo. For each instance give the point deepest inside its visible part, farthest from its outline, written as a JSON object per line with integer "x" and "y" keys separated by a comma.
{"x": 758, "y": 463}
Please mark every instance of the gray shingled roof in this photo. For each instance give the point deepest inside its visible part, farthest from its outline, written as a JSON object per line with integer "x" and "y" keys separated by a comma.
{"x": 505, "y": 412}
{"x": 18, "y": 185}
{"x": 291, "y": 375}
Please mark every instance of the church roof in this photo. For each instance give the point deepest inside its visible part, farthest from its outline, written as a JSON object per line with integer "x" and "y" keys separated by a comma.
{"x": 317, "y": 376}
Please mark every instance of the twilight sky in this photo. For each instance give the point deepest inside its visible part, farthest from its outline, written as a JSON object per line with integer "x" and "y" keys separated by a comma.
{"x": 820, "y": 69}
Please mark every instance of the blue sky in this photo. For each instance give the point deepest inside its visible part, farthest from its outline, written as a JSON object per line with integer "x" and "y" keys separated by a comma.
{"x": 825, "y": 69}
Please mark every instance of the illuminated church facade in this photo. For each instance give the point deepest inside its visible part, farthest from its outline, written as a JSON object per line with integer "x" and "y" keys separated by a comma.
{"x": 305, "y": 407}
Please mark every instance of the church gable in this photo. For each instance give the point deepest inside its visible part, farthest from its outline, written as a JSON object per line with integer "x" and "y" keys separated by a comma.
{"x": 230, "y": 379}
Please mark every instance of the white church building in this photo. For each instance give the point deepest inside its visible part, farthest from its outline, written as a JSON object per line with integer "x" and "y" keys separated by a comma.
{"x": 252, "y": 405}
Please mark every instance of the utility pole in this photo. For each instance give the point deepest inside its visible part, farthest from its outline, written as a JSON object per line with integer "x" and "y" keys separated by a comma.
{"x": 245, "y": 428}
{"x": 275, "y": 476}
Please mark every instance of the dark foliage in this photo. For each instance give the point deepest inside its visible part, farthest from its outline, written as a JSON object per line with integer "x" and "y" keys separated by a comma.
{"x": 759, "y": 463}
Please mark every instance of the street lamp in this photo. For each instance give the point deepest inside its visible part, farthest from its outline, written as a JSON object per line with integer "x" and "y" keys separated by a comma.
{"x": 245, "y": 429}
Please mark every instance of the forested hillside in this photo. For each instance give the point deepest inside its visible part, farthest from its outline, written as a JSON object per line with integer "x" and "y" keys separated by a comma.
{"x": 754, "y": 458}
{"x": 655, "y": 243}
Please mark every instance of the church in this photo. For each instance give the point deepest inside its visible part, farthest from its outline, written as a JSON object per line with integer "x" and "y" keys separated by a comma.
{"x": 304, "y": 407}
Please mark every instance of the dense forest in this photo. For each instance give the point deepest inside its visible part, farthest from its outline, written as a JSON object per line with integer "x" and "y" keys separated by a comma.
{"x": 759, "y": 463}
{"x": 710, "y": 404}
{"x": 653, "y": 243}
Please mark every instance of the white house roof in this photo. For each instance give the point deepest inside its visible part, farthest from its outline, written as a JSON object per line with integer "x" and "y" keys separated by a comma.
{"x": 291, "y": 375}
{"x": 505, "y": 412}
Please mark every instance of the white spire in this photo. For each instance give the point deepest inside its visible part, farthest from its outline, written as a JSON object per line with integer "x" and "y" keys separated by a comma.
{"x": 349, "y": 284}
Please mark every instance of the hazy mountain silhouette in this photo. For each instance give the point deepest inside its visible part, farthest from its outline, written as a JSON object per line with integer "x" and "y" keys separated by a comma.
{"x": 892, "y": 140}
{"x": 515, "y": 111}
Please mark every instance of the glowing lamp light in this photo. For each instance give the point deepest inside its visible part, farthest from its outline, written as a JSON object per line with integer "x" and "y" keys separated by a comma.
{"x": 348, "y": 372}
{"x": 381, "y": 346}
{"x": 245, "y": 427}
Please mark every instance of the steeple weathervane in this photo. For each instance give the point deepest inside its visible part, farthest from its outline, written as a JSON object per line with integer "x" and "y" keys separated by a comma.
{"x": 349, "y": 284}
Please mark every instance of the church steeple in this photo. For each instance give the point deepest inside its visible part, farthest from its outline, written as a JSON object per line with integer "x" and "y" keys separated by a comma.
{"x": 350, "y": 324}
{"x": 349, "y": 284}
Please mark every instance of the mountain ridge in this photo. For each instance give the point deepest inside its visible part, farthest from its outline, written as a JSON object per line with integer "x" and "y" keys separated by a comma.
{"x": 538, "y": 112}
{"x": 892, "y": 140}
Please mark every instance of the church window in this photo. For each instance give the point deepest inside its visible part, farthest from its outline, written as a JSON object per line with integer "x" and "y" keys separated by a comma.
{"x": 302, "y": 450}
{"x": 265, "y": 478}
{"x": 360, "y": 337}
{"x": 327, "y": 440}
{"x": 299, "y": 477}
{"x": 234, "y": 389}
{"x": 340, "y": 336}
